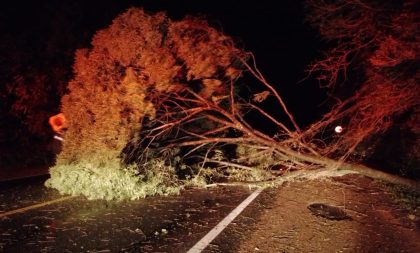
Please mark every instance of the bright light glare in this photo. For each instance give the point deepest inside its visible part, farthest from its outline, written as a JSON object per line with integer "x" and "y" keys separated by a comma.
{"x": 338, "y": 129}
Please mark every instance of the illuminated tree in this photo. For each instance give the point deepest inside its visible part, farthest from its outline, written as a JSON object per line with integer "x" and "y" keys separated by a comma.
{"x": 110, "y": 94}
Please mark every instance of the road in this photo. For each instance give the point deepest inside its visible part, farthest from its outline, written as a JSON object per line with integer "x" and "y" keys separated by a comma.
{"x": 379, "y": 218}
{"x": 155, "y": 224}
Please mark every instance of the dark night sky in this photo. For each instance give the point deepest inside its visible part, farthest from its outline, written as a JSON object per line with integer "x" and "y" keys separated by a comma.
{"x": 45, "y": 33}
{"x": 282, "y": 43}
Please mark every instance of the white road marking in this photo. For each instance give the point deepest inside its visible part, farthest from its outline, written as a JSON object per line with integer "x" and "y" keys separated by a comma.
{"x": 24, "y": 209}
{"x": 209, "y": 237}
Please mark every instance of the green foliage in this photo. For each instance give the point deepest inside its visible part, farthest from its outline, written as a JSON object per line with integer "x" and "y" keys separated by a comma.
{"x": 244, "y": 168}
{"x": 251, "y": 175}
{"x": 112, "y": 181}
{"x": 257, "y": 158}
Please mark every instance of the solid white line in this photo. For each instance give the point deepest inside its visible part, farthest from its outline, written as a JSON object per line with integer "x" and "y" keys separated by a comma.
{"x": 209, "y": 237}
{"x": 24, "y": 209}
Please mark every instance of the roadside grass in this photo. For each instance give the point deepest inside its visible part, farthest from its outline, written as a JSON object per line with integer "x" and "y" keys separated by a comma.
{"x": 407, "y": 197}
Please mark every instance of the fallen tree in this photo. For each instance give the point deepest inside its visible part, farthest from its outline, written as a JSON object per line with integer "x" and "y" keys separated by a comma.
{"x": 155, "y": 106}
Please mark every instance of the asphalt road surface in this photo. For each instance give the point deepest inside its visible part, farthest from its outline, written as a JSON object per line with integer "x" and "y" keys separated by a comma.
{"x": 55, "y": 223}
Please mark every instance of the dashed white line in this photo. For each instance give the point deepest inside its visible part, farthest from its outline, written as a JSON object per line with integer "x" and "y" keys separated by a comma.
{"x": 209, "y": 237}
